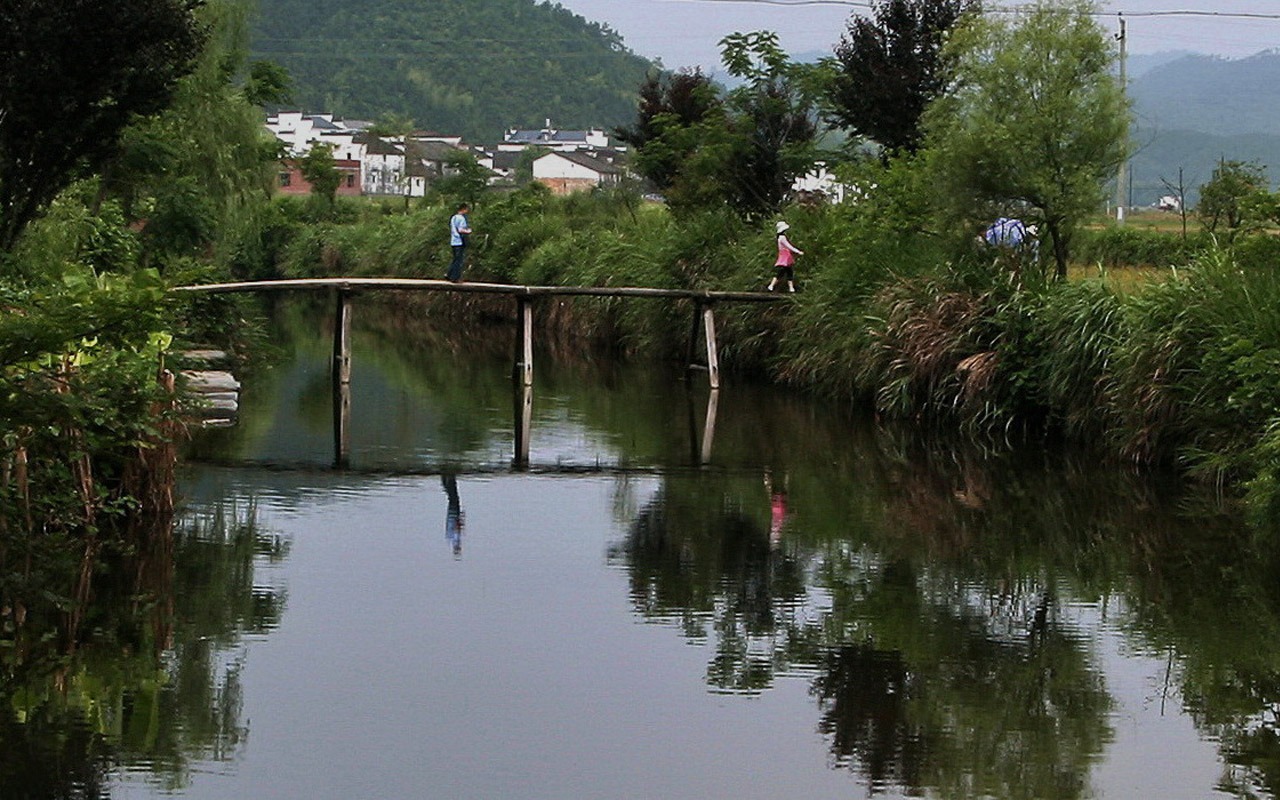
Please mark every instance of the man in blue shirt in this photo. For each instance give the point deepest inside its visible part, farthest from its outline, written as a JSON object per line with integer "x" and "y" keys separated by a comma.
{"x": 459, "y": 230}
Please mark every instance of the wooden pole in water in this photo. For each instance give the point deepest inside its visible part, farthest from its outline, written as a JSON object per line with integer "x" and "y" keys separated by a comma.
{"x": 713, "y": 358}
{"x": 704, "y": 318}
{"x": 523, "y": 424}
{"x": 342, "y": 380}
{"x": 709, "y": 427}
{"x": 524, "y": 341}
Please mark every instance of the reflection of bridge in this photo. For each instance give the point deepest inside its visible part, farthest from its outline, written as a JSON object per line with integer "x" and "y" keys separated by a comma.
{"x": 346, "y": 288}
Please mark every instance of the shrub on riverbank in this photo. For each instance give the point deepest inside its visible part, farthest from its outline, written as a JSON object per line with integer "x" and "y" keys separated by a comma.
{"x": 1119, "y": 247}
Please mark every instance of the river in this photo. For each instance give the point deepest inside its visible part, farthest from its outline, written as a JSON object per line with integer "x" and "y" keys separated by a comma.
{"x": 790, "y": 602}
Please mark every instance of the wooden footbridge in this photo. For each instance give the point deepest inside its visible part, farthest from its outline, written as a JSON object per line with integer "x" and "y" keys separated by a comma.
{"x": 703, "y": 328}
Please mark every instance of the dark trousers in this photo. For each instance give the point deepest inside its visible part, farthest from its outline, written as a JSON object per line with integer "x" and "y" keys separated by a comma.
{"x": 455, "y": 266}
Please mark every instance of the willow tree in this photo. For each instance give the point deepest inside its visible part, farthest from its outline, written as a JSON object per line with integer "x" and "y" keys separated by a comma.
{"x": 1034, "y": 121}
{"x": 199, "y": 169}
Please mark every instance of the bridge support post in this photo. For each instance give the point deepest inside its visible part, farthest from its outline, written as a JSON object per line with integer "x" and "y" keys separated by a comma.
{"x": 704, "y": 317}
{"x": 702, "y": 436}
{"x": 523, "y": 424}
{"x": 342, "y": 380}
{"x": 523, "y": 371}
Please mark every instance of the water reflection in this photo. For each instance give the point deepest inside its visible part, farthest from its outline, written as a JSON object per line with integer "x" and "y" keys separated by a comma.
{"x": 954, "y": 622}
{"x": 946, "y": 605}
{"x": 454, "y": 519}
{"x": 937, "y": 606}
{"x": 151, "y": 683}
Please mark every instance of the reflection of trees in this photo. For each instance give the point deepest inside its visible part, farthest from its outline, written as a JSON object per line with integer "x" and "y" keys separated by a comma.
{"x": 940, "y": 657}
{"x": 863, "y": 693}
{"x": 151, "y": 681}
{"x": 711, "y": 568}
{"x": 1212, "y": 604}
{"x": 991, "y": 537}
{"x": 923, "y": 684}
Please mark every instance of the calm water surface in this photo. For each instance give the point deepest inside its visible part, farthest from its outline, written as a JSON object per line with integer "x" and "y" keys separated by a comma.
{"x": 823, "y": 609}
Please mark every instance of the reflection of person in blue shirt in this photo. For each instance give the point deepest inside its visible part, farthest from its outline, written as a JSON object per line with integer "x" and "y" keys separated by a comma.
{"x": 453, "y": 518}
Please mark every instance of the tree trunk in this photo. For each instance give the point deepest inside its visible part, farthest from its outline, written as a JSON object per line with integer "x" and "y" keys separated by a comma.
{"x": 1059, "y": 249}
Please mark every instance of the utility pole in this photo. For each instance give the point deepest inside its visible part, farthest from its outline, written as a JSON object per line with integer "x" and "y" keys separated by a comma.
{"x": 1120, "y": 175}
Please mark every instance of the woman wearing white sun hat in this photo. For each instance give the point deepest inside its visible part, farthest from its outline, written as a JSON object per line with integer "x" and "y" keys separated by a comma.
{"x": 785, "y": 265}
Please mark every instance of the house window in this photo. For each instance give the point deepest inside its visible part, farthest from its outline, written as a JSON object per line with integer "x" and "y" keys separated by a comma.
{"x": 286, "y": 179}
{"x": 351, "y": 181}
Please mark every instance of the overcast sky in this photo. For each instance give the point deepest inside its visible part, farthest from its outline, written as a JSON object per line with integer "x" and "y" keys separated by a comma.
{"x": 685, "y": 33}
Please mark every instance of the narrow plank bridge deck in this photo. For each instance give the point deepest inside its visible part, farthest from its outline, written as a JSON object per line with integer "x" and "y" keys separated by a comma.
{"x": 347, "y": 288}
{"x": 514, "y": 290}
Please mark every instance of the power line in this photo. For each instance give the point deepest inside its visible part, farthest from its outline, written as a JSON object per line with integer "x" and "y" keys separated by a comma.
{"x": 1004, "y": 9}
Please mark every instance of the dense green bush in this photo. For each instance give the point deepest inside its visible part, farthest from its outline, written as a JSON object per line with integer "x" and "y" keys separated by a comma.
{"x": 1131, "y": 246}
{"x": 1257, "y": 252}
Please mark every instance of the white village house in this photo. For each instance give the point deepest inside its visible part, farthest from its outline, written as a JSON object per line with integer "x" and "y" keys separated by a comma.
{"x": 565, "y": 173}
{"x": 572, "y": 160}
{"x": 549, "y": 138}
{"x": 300, "y": 131}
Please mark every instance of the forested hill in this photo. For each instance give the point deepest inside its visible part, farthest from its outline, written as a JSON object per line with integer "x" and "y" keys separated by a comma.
{"x": 472, "y": 67}
{"x": 1191, "y": 111}
{"x": 1211, "y": 95}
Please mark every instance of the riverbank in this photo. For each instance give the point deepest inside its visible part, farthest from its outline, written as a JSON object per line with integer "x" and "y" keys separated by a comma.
{"x": 1180, "y": 370}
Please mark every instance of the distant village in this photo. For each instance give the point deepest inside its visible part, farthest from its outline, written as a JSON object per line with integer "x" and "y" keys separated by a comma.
{"x": 372, "y": 165}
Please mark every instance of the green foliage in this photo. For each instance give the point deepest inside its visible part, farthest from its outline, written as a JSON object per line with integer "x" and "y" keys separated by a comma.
{"x": 1235, "y": 199}
{"x": 1033, "y": 123}
{"x": 106, "y": 63}
{"x": 267, "y": 84}
{"x": 83, "y": 310}
{"x": 464, "y": 179}
{"x": 185, "y": 175}
{"x": 321, "y": 171}
{"x": 1260, "y": 251}
{"x": 71, "y": 233}
{"x": 888, "y": 68}
{"x": 1124, "y": 246}
{"x": 671, "y": 109}
{"x": 1192, "y": 375}
{"x": 744, "y": 149}
{"x": 256, "y": 236}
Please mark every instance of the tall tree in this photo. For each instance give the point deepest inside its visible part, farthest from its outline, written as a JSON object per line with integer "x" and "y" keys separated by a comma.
{"x": 774, "y": 119}
{"x": 73, "y": 74}
{"x": 321, "y": 171}
{"x": 744, "y": 149}
{"x": 1235, "y": 198}
{"x": 1034, "y": 121}
{"x": 669, "y": 106}
{"x": 889, "y": 68}
{"x": 205, "y": 160}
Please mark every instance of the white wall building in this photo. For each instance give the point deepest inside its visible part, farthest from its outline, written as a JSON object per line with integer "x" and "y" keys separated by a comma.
{"x": 821, "y": 180}
{"x": 565, "y": 173}
{"x": 300, "y": 131}
{"x": 554, "y": 139}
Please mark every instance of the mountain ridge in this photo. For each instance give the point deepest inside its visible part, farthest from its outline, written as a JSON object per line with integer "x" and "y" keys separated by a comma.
{"x": 469, "y": 67}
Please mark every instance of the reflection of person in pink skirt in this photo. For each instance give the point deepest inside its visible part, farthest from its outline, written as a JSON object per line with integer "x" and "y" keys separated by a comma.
{"x": 777, "y": 508}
